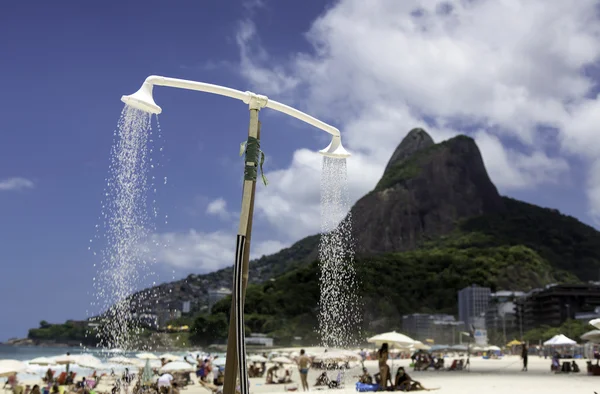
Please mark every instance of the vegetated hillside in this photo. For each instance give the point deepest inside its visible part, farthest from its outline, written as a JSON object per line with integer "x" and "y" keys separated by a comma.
{"x": 394, "y": 284}
{"x": 433, "y": 195}
{"x": 195, "y": 287}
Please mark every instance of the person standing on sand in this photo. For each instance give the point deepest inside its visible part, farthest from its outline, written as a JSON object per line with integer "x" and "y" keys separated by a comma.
{"x": 384, "y": 370}
{"x": 524, "y": 354}
{"x": 303, "y": 366}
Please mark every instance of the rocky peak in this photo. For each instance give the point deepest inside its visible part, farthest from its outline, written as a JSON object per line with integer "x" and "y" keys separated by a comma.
{"x": 424, "y": 193}
{"x": 416, "y": 140}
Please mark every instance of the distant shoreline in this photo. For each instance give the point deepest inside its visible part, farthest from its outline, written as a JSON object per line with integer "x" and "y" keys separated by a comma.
{"x": 31, "y": 343}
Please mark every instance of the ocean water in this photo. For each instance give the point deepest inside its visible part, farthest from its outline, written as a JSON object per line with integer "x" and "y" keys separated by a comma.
{"x": 25, "y": 353}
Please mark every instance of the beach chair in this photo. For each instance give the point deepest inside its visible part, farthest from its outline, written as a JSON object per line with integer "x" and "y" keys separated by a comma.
{"x": 61, "y": 378}
{"x": 453, "y": 366}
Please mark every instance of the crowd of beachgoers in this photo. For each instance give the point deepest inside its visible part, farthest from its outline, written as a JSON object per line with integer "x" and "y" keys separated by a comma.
{"x": 376, "y": 369}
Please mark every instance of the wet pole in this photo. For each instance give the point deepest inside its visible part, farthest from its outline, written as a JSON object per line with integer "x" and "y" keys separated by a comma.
{"x": 236, "y": 345}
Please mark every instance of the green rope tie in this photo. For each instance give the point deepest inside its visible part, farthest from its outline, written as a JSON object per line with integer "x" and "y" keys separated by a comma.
{"x": 254, "y": 158}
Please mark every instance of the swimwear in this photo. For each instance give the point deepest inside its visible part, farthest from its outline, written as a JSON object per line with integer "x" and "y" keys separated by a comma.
{"x": 304, "y": 371}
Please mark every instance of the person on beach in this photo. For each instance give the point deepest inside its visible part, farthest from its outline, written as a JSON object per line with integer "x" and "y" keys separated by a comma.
{"x": 271, "y": 374}
{"x": 404, "y": 382}
{"x": 384, "y": 369}
{"x": 35, "y": 390}
{"x": 365, "y": 377}
{"x": 303, "y": 366}
{"x": 524, "y": 354}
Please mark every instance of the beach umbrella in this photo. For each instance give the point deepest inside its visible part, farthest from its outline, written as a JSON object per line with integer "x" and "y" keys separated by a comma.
{"x": 476, "y": 348}
{"x": 88, "y": 361}
{"x": 42, "y": 361}
{"x": 147, "y": 356}
{"x": 418, "y": 345}
{"x": 493, "y": 348}
{"x": 219, "y": 362}
{"x": 122, "y": 360}
{"x": 65, "y": 359}
{"x": 592, "y": 336}
{"x": 514, "y": 342}
{"x": 460, "y": 348}
{"x": 169, "y": 356}
{"x": 595, "y": 323}
{"x": 437, "y": 348}
{"x": 11, "y": 367}
{"x": 393, "y": 339}
{"x": 176, "y": 366}
{"x": 257, "y": 359}
{"x": 282, "y": 360}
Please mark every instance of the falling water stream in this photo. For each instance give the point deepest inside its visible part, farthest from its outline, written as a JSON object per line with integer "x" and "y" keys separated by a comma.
{"x": 126, "y": 223}
{"x": 339, "y": 317}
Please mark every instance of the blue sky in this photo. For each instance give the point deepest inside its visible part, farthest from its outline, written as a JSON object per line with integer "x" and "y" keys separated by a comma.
{"x": 66, "y": 63}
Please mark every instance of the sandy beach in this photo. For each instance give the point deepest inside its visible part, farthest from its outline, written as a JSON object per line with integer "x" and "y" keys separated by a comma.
{"x": 495, "y": 376}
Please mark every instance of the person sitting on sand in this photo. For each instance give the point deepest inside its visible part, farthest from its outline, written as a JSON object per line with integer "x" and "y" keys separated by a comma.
{"x": 287, "y": 377}
{"x": 365, "y": 378}
{"x": 322, "y": 380}
{"x": 403, "y": 381}
{"x": 220, "y": 379}
{"x": 377, "y": 378}
{"x": 272, "y": 374}
{"x": 49, "y": 376}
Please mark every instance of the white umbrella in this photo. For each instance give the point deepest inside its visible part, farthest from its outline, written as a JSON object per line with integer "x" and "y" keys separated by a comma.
{"x": 418, "y": 345}
{"x": 595, "y": 323}
{"x": 282, "y": 360}
{"x": 65, "y": 359}
{"x": 169, "y": 356}
{"x": 42, "y": 361}
{"x": 122, "y": 360}
{"x": 88, "y": 361}
{"x": 176, "y": 366}
{"x": 493, "y": 348}
{"x": 219, "y": 362}
{"x": 147, "y": 356}
{"x": 393, "y": 339}
{"x": 257, "y": 359}
{"x": 11, "y": 367}
{"x": 592, "y": 336}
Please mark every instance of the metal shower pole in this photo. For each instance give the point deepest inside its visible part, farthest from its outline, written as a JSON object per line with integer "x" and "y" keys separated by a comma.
{"x": 236, "y": 346}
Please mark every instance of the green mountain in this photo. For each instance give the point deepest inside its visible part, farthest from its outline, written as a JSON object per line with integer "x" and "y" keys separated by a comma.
{"x": 434, "y": 224}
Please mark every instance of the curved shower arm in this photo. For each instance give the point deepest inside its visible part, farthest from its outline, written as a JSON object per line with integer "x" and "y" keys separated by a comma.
{"x": 254, "y": 100}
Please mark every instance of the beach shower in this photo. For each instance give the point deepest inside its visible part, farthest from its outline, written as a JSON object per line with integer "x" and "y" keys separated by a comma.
{"x": 143, "y": 100}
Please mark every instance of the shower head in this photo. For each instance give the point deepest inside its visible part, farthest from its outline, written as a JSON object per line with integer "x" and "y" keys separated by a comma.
{"x": 143, "y": 100}
{"x": 335, "y": 149}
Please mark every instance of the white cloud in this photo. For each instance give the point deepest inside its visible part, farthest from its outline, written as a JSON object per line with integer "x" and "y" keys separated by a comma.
{"x": 511, "y": 70}
{"x": 204, "y": 252}
{"x": 593, "y": 192}
{"x": 218, "y": 208}
{"x": 15, "y": 184}
{"x": 511, "y": 169}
